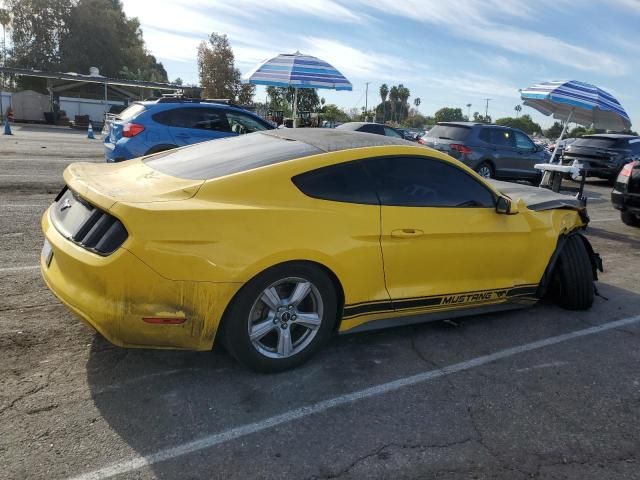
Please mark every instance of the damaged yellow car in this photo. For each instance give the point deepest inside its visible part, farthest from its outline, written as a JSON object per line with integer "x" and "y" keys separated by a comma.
{"x": 272, "y": 241}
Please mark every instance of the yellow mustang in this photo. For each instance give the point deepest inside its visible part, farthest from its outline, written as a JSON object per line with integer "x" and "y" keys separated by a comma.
{"x": 272, "y": 241}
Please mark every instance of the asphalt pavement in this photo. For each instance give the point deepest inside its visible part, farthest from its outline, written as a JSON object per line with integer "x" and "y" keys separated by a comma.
{"x": 539, "y": 393}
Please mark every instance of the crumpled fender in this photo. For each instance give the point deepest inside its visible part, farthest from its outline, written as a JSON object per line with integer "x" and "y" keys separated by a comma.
{"x": 596, "y": 261}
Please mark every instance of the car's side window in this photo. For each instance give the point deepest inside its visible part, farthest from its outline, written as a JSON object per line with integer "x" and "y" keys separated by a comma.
{"x": 390, "y": 132}
{"x": 485, "y": 135}
{"x": 502, "y": 137}
{"x": 372, "y": 128}
{"x": 426, "y": 182}
{"x": 199, "y": 118}
{"x": 344, "y": 182}
{"x": 241, "y": 123}
{"x": 635, "y": 145}
{"x": 523, "y": 142}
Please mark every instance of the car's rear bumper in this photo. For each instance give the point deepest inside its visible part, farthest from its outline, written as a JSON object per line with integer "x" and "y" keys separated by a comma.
{"x": 626, "y": 202}
{"x": 124, "y": 299}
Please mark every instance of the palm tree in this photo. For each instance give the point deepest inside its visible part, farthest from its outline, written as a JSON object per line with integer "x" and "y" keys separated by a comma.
{"x": 518, "y": 109}
{"x": 384, "y": 91}
{"x": 393, "y": 97}
{"x": 417, "y": 102}
{"x": 403, "y": 95}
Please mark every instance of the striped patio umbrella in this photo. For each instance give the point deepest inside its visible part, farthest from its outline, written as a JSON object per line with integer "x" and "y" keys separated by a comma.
{"x": 298, "y": 71}
{"x": 577, "y": 102}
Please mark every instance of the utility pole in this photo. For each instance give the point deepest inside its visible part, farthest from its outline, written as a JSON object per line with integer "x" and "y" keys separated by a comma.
{"x": 468, "y": 112}
{"x": 486, "y": 110}
{"x": 366, "y": 101}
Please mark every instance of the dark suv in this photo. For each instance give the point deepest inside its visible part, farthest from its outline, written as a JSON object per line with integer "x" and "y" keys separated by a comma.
{"x": 602, "y": 155}
{"x": 491, "y": 150}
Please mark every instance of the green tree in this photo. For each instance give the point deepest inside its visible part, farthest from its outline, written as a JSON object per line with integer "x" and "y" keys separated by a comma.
{"x": 308, "y": 99}
{"x": 393, "y": 98}
{"x": 518, "y": 109}
{"x": 477, "y": 117}
{"x": 38, "y": 27}
{"x": 524, "y": 123}
{"x": 403, "y": 95}
{"x": 100, "y": 34}
{"x": 449, "y": 114}
{"x": 384, "y": 92}
{"x": 417, "y": 102}
{"x": 554, "y": 131}
{"x": 333, "y": 114}
{"x": 219, "y": 77}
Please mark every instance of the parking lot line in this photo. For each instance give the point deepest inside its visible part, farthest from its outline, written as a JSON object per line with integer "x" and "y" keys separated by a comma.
{"x": 126, "y": 466}
{"x": 19, "y": 269}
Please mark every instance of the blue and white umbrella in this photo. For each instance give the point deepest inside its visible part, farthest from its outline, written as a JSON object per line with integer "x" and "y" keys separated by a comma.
{"x": 298, "y": 71}
{"x": 577, "y": 102}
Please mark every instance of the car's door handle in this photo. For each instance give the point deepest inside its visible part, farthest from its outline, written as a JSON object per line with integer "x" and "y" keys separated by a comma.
{"x": 406, "y": 233}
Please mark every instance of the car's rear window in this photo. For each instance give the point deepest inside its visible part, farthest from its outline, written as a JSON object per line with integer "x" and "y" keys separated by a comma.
{"x": 601, "y": 142}
{"x": 449, "y": 132}
{"x": 131, "y": 112}
{"x": 225, "y": 156}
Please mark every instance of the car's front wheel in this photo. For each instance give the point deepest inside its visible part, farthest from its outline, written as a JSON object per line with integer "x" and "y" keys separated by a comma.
{"x": 280, "y": 318}
{"x": 573, "y": 279}
{"x": 630, "y": 219}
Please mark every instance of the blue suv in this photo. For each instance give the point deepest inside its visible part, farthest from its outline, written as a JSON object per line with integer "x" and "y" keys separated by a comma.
{"x": 154, "y": 126}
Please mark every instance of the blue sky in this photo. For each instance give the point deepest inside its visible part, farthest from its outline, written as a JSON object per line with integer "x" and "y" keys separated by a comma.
{"x": 449, "y": 53}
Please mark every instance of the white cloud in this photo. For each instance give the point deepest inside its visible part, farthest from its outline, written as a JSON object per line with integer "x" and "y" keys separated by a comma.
{"x": 491, "y": 22}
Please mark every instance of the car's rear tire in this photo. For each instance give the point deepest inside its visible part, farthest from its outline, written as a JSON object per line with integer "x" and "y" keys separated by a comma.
{"x": 630, "y": 219}
{"x": 281, "y": 318}
{"x": 485, "y": 169}
{"x": 573, "y": 277}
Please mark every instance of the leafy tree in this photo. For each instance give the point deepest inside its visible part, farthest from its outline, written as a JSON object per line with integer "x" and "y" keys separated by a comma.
{"x": 100, "y": 34}
{"x": 416, "y": 121}
{"x": 219, "y": 77}
{"x": 524, "y": 123}
{"x": 554, "y": 131}
{"x": 308, "y": 99}
{"x": 178, "y": 81}
{"x": 448, "y": 114}
{"x": 38, "y": 27}
{"x": 333, "y": 113}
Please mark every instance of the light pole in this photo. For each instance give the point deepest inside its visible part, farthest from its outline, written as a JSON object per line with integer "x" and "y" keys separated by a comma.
{"x": 468, "y": 112}
{"x": 366, "y": 101}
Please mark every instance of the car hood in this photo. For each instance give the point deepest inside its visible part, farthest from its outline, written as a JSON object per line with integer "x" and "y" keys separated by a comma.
{"x": 128, "y": 182}
{"x": 536, "y": 198}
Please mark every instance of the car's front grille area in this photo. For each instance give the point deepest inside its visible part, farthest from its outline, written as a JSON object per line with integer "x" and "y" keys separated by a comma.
{"x": 87, "y": 225}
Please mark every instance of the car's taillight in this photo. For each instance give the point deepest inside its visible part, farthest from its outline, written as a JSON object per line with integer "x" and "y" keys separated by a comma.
{"x": 628, "y": 169}
{"x": 421, "y": 141}
{"x": 131, "y": 129}
{"x": 460, "y": 148}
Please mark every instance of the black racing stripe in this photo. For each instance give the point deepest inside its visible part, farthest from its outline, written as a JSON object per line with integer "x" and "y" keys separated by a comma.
{"x": 379, "y": 306}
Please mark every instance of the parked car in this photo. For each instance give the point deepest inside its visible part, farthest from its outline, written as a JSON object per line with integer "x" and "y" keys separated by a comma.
{"x": 602, "y": 155}
{"x": 626, "y": 193}
{"x": 369, "y": 127}
{"x": 561, "y": 146}
{"x": 271, "y": 242}
{"x": 491, "y": 150}
{"x": 169, "y": 122}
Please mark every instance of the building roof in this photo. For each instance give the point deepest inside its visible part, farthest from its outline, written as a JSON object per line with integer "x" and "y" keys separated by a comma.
{"x": 77, "y": 77}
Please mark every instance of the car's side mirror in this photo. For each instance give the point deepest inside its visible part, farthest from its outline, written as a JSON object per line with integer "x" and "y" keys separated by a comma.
{"x": 505, "y": 207}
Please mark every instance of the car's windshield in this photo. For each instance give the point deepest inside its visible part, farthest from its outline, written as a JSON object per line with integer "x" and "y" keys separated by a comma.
{"x": 449, "y": 132}
{"x": 601, "y": 142}
{"x": 225, "y": 156}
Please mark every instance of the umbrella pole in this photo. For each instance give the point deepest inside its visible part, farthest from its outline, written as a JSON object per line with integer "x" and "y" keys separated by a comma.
{"x": 295, "y": 108}
{"x": 553, "y": 179}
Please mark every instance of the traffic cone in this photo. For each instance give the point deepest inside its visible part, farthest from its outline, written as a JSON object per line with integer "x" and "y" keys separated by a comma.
{"x": 7, "y": 127}
{"x": 90, "y": 132}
